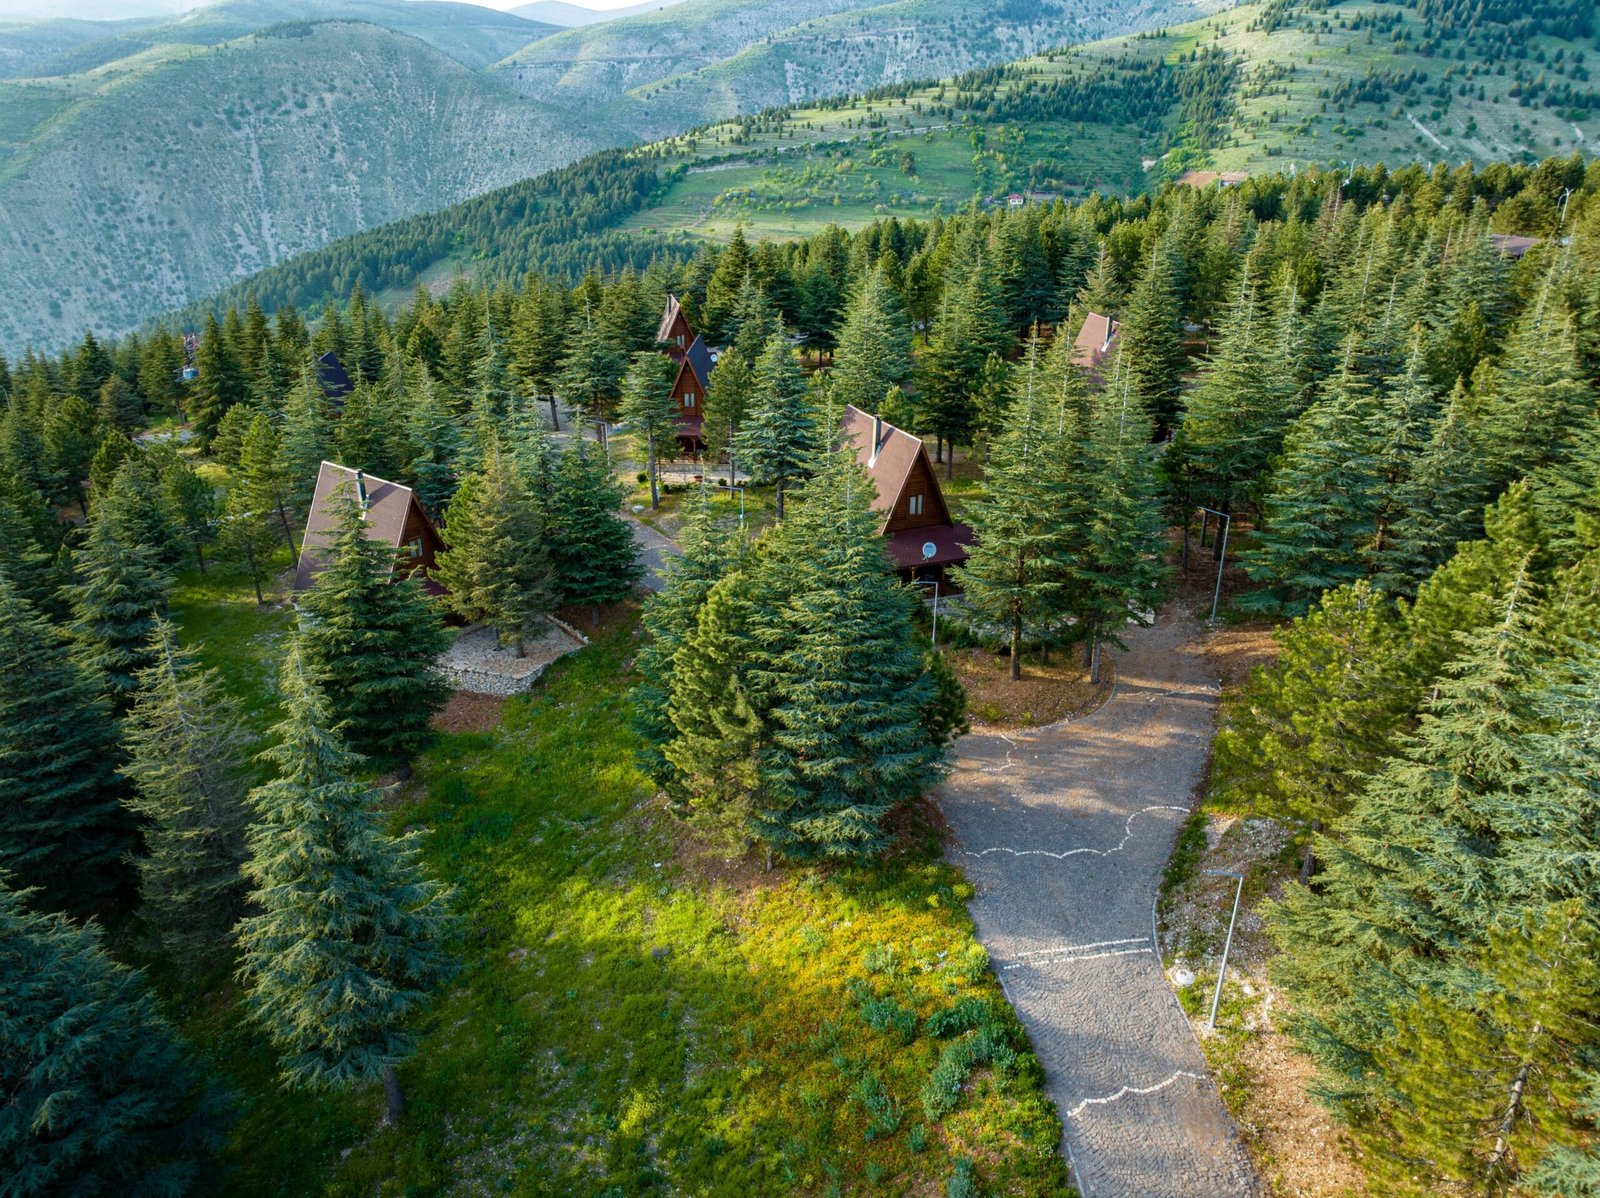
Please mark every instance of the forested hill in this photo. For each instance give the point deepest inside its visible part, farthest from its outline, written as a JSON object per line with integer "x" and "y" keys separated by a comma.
{"x": 1259, "y": 88}
{"x": 1400, "y": 415}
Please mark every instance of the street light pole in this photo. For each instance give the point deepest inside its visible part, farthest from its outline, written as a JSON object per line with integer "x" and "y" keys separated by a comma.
{"x": 1222, "y": 969}
{"x": 934, "y": 583}
{"x": 731, "y": 487}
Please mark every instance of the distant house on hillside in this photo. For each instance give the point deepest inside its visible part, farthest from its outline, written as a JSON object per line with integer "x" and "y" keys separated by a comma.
{"x": 1212, "y": 178}
{"x": 1016, "y": 200}
{"x": 334, "y": 379}
{"x": 689, "y": 393}
{"x": 1096, "y": 342}
{"x": 674, "y": 331}
{"x": 923, "y": 541}
{"x": 393, "y": 515}
{"x": 1512, "y": 245}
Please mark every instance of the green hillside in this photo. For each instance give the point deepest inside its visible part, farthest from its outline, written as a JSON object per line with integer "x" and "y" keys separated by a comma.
{"x": 471, "y": 35}
{"x": 26, "y": 45}
{"x": 709, "y": 60}
{"x": 164, "y": 176}
{"x": 1257, "y": 88}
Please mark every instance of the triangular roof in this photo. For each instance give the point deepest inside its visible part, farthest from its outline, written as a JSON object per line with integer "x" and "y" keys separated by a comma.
{"x": 889, "y": 455}
{"x": 669, "y": 317}
{"x": 1095, "y": 340}
{"x": 333, "y": 377}
{"x": 698, "y": 358}
{"x": 388, "y": 507}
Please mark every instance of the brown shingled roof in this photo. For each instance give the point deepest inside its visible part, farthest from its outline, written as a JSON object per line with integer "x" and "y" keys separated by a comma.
{"x": 388, "y": 505}
{"x": 889, "y": 462}
{"x": 668, "y": 318}
{"x": 1095, "y": 341}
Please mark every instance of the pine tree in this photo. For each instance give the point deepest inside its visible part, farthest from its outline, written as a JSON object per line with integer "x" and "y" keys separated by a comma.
{"x": 1440, "y": 502}
{"x": 669, "y": 618}
{"x": 436, "y": 447}
{"x": 845, "y": 690}
{"x": 712, "y": 756}
{"x": 184, "y": 745}
{"x": 306, "y": 440}
{"x": 591, "y": 373}
{"x": 591, "y": 545}
{"x": 1298, "y": 741}
{"x": 220, "y": 381}
{"x": 971, "y": 326}
{"x": 29, "y": 541}
{"x": 119, "y": 405}
{"x": 722, "y": 291}
{"x": 347, "y": 941}
{"x": 263, "y": 477}
{"x": 1150, "y": 354}
{"x": 370, "y": 639}
{"x": 70, "y": 436}
{"x": 1322, "y": 502}
{"x": 121, "y": 593}
{"x": 138, "y": 511}
{"x": 1542, "y": 406}
{"x": 1115, "y": 558}
{"x": 779, "y": 439}
{"x": 102, "y": 1097}
{"x": 1012, "y": 577}
{"x": 650, "y": 411}
{"x": 62, "y": 826}
{"x": 497, "y": 567}
{"x": 874, "y": 351}
{"x": 754, "y": 321}
{"x": 728, "y": 397}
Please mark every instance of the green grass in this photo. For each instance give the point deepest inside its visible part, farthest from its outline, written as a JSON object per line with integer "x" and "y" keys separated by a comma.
{"x": 622, "y": 1023}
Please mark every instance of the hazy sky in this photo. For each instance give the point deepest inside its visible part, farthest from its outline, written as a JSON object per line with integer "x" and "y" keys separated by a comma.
{"x": 101, "y": 10}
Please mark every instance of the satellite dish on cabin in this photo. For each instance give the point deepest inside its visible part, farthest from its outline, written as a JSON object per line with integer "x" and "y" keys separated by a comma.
{"x": 928, "y": 550}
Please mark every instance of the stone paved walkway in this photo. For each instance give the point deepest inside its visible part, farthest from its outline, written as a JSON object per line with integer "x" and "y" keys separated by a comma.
{"x": 1065, "y": 832}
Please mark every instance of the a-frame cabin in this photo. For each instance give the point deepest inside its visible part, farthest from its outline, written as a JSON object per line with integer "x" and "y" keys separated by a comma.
{"x": 674, "y": 332}
{"x": 923, "y": 541}
{"x": 689, "y": 393}
{"x": 393, "y": 515}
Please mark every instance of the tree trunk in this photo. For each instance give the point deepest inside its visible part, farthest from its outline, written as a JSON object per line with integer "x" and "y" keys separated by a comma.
{"x": 200, "y": 555}
{"x": 283, "y": 518}
{"x": 394, "y": 1099}
{"x": 938, "y": 447}
{"x": 1308, "y": 862}
{"x": 950, "y": 462}
{"x": 255, "y": 577}
{"x": 1502, "y": 1143}
{"x": 521, "y": 645}
{"x": 1184, "y": 566}
{"x": 1016, "y": 649}
{"x": 555, "y": 421}
{"x": 1094, "y": 659}
{"x": 769, "y": 858}
{"x": 654, "y": 469}
{"x": 594, "y": 614}
{"x": 780, "y": 499}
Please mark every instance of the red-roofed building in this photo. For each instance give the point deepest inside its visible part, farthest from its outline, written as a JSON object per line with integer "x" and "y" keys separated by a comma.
{"x": 674, "y": 331}
{"x": 1096, "y": 342}
{"x": 393, "y": 515}
{"x": 923, "y": 541}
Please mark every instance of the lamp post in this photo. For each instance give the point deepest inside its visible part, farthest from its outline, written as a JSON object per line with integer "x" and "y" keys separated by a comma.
{"x": 739, "y": 489}
{"x": 934, "y": 583}
{"x": 1222, "y": 553}
{"x": 1227, "y": 944}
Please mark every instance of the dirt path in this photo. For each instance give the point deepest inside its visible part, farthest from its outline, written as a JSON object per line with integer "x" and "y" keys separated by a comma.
{"x": 1065, "y": 833}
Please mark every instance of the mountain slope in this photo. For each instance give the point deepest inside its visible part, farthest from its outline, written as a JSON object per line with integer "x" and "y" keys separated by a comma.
{"x": 712, "y": 59}
{"x": 188, "y": 168}
{"x": 1119, "y": 115}
{"x": 468, "y": 33}
{"x": 25, "y": 46}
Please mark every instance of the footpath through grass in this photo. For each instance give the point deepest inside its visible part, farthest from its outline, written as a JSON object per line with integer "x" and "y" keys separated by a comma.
{"x": 623, "y": 1024}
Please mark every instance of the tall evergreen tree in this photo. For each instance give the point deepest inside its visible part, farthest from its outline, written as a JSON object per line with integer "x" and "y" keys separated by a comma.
{"x": 591, "y": 373}
{"x": 220, "y": 381}
{"x": 497, "y": 567}
{"x": 102, "y": 1097}
{"x": 1151, "y": 342}
{"x": 778, "y": 442}
{"x": 650, "y": 411}
{"x": 184, "y": 746}
{"x": 121, "y": 593}
{"x": 370, "y": 640}
{"x": 1013, "y": 576}
{"x": 971, "y": 326}
{"x": 847, "y": 687}
{"x": 669, "y": 619}
{"x": 718, "y": 317}
{"x": 874, "y": 352}
{"x": 435, "y": 447}
{"x": 347, "y": 939}
{"x": 263, "y": 477}
{"x": 728, "y": 398}
{"x": 306, "y": 439}
{"x": 591, "y": 545}
{"x": 63, "y": 828}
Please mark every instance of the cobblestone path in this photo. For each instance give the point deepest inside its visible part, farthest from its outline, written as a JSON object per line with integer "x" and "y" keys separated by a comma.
{"x": 1065, "y": 832}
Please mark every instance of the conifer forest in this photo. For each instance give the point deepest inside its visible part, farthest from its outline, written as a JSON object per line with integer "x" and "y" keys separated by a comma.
{"x": 520, "y": 735}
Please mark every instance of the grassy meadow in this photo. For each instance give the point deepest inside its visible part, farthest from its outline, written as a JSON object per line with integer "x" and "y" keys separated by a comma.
{"x": 638, "y": 1011}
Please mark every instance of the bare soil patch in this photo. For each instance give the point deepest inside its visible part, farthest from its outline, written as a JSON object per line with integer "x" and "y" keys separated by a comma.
{"x": 1238, "y": 649}
{"x": 1045, "y": 694}
{"x": 468, "y": 712}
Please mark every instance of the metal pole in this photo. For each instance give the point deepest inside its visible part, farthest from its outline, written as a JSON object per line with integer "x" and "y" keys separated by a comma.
{"x": 935, "y": 614}
{"x": 1222, "y": 970}
{"x": 1222, "y": 560}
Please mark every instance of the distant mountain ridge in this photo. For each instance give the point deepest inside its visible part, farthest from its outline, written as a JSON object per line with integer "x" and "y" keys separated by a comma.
{"x": 558, "y": 12}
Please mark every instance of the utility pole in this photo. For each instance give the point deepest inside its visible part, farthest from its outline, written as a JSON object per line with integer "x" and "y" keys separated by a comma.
{"x": 1222, "y": 970}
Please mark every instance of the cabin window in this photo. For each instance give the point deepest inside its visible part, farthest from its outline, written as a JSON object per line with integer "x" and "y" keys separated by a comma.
{"x": 916, "y": 505}
{"x": 688, "y": 399}
{"x": 680, "y": 340}
{"x": 416, "y": 547}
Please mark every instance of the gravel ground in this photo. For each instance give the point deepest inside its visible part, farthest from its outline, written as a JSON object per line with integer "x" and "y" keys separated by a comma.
{"x": 477, "y": 663}
{"x": 1066, "y": 831}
